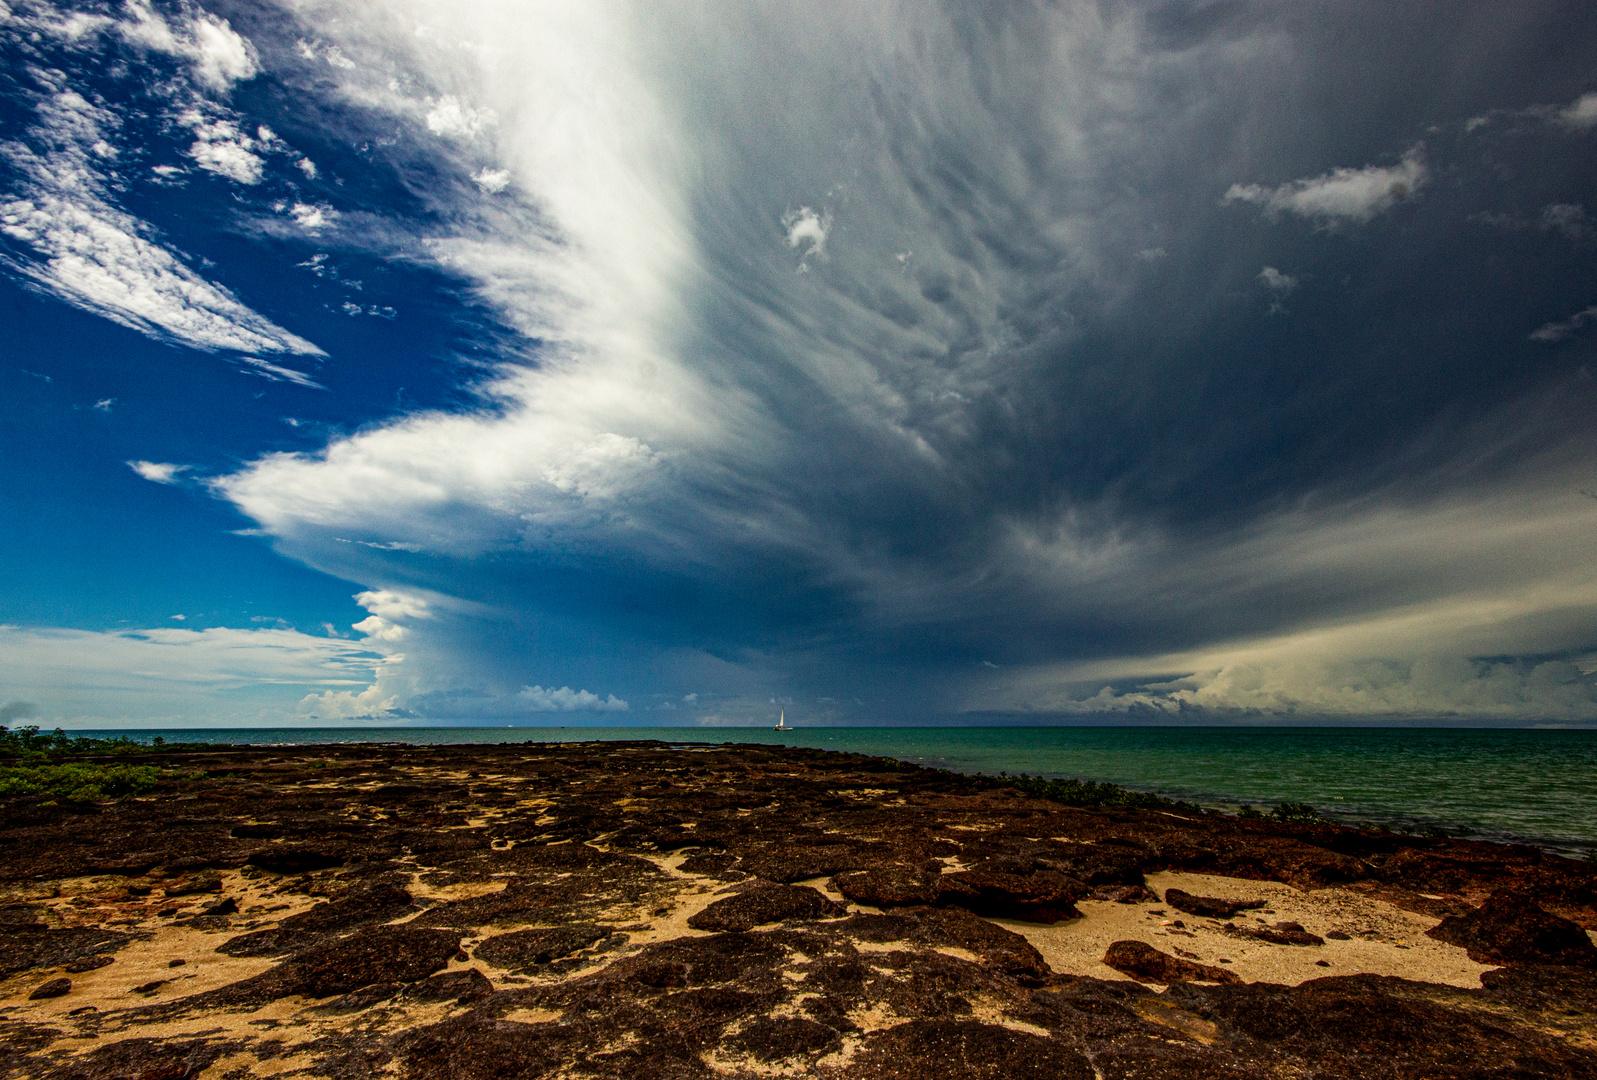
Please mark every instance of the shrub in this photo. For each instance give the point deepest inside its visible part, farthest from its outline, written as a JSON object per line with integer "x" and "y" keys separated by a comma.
{"x": 78, "y": 781}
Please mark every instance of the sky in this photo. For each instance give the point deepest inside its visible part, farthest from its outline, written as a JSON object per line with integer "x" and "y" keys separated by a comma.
{"x": 601, "y": 362}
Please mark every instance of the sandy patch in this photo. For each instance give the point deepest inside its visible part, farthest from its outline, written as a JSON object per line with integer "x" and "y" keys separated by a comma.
{"x": 1385, "y": 940}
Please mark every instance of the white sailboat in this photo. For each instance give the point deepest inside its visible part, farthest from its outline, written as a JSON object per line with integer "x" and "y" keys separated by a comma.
{"x": 781, "y": 722}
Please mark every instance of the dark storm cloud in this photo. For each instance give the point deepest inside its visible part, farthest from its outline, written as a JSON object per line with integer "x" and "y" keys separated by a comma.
{"x": 1188, "y": 349}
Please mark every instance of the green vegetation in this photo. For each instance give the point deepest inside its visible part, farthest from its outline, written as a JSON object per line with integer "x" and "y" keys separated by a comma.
{"x": 78, "y": 781}
{"x": 1091, "y": 793}
{"x": 28, "y": 743}
{"x": 1296, "y": 811}
{"x": 31, "y": 763}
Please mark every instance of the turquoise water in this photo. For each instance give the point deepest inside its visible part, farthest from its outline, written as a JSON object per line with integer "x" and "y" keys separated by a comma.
{"x": 1538, "y": 787}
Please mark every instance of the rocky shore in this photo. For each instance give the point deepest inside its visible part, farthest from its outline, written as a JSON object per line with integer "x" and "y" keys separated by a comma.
{"x": 643, "y": 910}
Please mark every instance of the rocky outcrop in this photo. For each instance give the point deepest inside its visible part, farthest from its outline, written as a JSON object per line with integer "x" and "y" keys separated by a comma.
{"x": 483, "y": 913}
{"x": 1509, "y": 928}
{"x": 765, "y": 902}
{"x": 1211, "y": 907}
{"x": 1142, "y": 961}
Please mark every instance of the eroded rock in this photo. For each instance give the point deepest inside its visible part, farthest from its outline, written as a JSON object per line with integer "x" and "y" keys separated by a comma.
{"x": 1510, "y": 928}
{"x": 767, "y": 902}
{"x": 1142, "y": 961}
{"x": 1211, "y": 907}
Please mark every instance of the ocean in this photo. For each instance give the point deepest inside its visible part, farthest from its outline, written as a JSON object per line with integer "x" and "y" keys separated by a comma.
{"x": 1528, "y": 786}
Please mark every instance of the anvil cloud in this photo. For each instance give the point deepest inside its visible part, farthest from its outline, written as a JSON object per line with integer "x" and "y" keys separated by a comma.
{"x": 902, "y": 361}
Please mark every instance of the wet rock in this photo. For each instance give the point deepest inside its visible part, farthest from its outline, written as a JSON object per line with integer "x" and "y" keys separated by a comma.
{"x": 765, "y": 903}
{"x": 1114, "y": 862}
{"x": 771, "y": 1039}
{"x": 787, "y": 863}
{"x": 380, "y": 954}
{"x": 17, "y": 916}
{"x": 1044, "y": 896}
{"x": 480, "y": 1048}
{"x": 358, "y": 907}
{"x": 461, "y": 987}
{"x": 1211, "y": 907}
{"x": 195, "y": 884}
{"x": 717, "y": 864}
{"x": 54, "y": 988}
{"x": 998, "y": 947}
{"x": 525, "y": 950}
{"x": 1510, "y": 928}
{"x": 965, "y": 1050}
{"x": 144, "y": 1059}
{"x": 895, "y": 886}
{"x": 298, "y": 858}
{"x": 1357, "y": 1026}
{"x": 1142, "y": 961}
{"x": 33, "y": 946}
{"x": 1279, "y": 934}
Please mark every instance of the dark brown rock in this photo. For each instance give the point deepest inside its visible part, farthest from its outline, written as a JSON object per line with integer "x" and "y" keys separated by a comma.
{"x": 1142, "y": 961}
{"x": 525, "y": 950}
{"x": 1510, "y": 928}
{"x": 1279, "y": 934}
{"x": 1044, "y": 896}
{"x": 964, "y": 1050}
{"x": 1210, "y": 907}
{"x": 37, "y": 946}
{"x": 999, "y": 948}
{"x": 767, "y": 902}
{"x": 771, "y": 1039}
{"x": 895, "y": 886}
{"x": 54, "y": 988}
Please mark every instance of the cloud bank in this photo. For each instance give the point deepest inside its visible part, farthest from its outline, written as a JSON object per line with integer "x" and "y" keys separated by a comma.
{"x": 916, "y": 360}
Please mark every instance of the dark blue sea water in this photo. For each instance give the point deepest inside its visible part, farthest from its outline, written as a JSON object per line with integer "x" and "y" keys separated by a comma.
{"x": 1535, "y": 786}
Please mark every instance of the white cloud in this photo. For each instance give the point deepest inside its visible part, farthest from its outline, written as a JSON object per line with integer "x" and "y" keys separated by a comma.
{"x": 1581, "y": 113}
{"x": 380, "y": 629}
{"x": 659, "y": 427}
{"x": 159, "y": 472}
{"x": 254, "y": 365}
{"x": 220, "y": 147}
{"x": 170, "y": 675}
{"x": 808, "y": 227}
{"x": 492, "y": 181}
{"x": 105, "y": 404}
{"x": 219, "y": 54}
{"x": 1276, "y": 281}
{"x": 1570, "y": 219}
{"x": 392, "y": 604}
{"x": 451, "y": 117}
{"x": 566, "y": 699}
{"x": 311, "y": 218}
{"x": 386, "y": 607}
{"x": 1554, "y": 332}
{"x": 1341, "y": 195}
{"x": 306, "y": 166}
{"x": 97, "y": 257}
{"x": 372, "y": 703}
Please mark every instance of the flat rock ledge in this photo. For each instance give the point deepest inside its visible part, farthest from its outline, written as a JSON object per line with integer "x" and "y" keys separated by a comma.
{"x": 644, "y": 910}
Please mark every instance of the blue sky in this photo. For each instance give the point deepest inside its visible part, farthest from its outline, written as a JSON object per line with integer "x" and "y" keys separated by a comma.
{"x": 633, "y": 363}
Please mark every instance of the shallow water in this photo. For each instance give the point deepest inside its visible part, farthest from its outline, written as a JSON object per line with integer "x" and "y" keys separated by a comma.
{"x": 1535, "y": 786}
